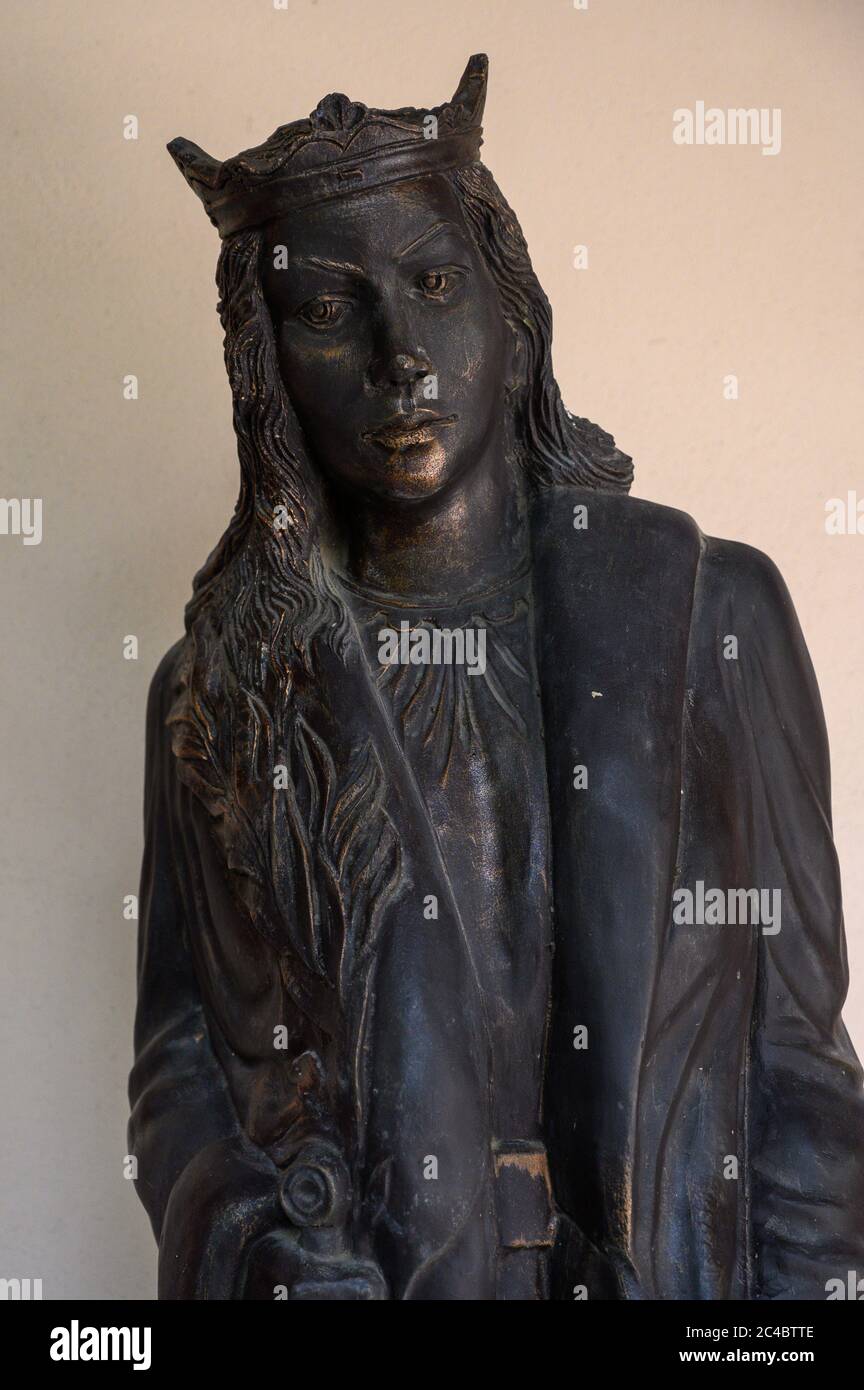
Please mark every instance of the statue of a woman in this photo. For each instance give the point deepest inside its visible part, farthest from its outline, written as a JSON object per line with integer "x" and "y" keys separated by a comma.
{"x": 491, "y": 941}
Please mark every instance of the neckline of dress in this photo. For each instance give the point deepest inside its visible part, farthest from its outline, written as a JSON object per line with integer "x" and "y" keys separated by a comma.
{"x": 415, "y": 601}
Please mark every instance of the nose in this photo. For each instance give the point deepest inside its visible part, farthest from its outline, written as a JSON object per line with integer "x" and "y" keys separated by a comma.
{"x": 398, "y": 362}
{"x": 406, "y": 365}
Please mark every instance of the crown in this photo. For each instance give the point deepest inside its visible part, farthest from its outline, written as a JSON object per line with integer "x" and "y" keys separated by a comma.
{"x": 343, "y": 148}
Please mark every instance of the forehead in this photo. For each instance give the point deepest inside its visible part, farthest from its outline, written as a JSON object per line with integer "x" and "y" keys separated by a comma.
{"x": 380, "y": 223}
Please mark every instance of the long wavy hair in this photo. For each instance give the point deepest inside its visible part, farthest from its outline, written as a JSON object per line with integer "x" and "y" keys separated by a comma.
{"x": 263, "y": 597}
{"x": 270, "y": 552}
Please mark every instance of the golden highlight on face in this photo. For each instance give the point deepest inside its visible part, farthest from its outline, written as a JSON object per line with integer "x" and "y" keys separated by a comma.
{"x": 391, "y": 340}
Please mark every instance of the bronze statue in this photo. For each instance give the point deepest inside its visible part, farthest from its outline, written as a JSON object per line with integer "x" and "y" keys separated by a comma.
{"x": 457, "y": 737}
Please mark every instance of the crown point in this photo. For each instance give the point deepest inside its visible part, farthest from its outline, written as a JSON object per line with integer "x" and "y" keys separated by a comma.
{"x": 470, "y": 95}
{"x": 338, "y": 112}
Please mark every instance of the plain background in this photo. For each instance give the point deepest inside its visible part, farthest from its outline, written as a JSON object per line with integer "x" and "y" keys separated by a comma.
{"x": 702, "y": 262}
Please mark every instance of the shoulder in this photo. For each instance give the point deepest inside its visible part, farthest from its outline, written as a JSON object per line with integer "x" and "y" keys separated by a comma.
{"x": 742, "y": 573}
{"x": 749, "y": 572}
{"x": 636, "y": 516}
{"x": 645, "y": 532}
{"x": 746, "y": 585}
{"x": 657, "y": 555}
{"x": 617, "y": 511}
{"x": 741, "y": 594}
{"x": 633, "y": 542}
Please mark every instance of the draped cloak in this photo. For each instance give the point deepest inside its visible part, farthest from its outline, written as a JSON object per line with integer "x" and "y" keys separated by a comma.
{"x": 702, "y": 1113}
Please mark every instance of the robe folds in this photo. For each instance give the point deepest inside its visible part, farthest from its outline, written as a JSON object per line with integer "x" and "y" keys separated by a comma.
{"x": 702, "y": 1118}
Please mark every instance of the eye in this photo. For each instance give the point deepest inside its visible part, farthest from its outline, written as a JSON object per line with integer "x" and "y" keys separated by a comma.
{"x": 440, "y": 284}
{"x": 321, "y": 312}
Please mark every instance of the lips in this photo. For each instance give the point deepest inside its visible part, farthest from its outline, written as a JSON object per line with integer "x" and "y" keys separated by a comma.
{"x": 405, "y": 431}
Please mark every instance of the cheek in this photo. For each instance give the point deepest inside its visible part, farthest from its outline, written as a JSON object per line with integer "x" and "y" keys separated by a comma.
{"x": 471, "y": 377}
{"x": 321, "y": 381}
{"x": 469, "y": 352}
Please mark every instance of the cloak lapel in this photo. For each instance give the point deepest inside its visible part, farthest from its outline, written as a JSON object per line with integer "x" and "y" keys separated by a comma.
{"x": 613, "y": 601}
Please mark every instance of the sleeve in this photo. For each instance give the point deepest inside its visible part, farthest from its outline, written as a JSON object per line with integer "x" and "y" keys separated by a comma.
{"x": 197, "y": 1176}
{"x": 805, "y": 1106}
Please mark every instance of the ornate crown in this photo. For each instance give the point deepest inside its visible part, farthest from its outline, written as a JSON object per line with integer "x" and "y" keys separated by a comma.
{"x": 343, "y": 148}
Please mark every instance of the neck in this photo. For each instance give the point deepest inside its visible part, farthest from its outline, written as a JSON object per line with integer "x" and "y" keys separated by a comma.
{"x": 445, "y": 548}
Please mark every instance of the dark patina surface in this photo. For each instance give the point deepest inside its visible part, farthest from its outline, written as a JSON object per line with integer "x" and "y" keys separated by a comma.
{"x": 416, "y": 1017}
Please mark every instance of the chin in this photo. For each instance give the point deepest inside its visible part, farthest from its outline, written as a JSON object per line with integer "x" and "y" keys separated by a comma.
{"x": 415, "y": 474}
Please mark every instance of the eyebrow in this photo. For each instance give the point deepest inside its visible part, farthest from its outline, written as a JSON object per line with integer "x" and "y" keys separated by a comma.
{"x": 322, "y": 263}
{"x": 428, "y": 235}
{"x": 348, "y": 268}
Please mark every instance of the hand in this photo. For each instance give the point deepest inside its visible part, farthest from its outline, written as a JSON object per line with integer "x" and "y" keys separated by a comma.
{"x": 282, "y": 1266}
{"x": 311, "y": 1257}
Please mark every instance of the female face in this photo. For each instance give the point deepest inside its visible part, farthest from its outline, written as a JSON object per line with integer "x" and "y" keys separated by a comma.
{"x": 390, "y": 337}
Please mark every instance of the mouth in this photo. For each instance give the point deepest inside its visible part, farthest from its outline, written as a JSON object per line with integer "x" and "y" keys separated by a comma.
{"x": 406, "y": 431}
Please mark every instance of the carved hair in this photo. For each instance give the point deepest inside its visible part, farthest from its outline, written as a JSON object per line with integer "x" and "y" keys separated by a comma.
{"x": 553, "y": 446}
{"x": 284, "y": 573}
{"x": 264, "y": 594}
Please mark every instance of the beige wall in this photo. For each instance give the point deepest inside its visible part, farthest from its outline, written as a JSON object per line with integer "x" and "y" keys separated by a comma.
{"x": 702, "y": 262}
